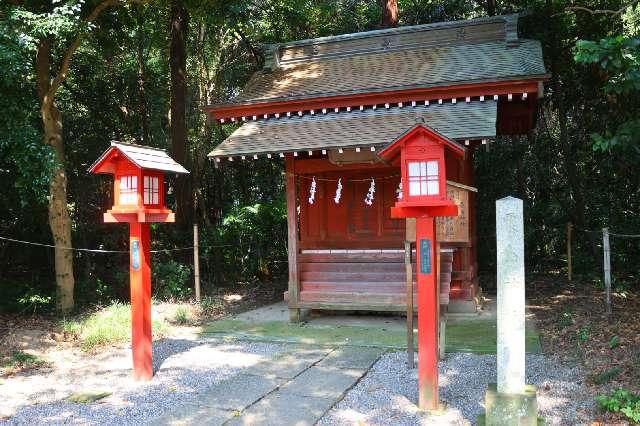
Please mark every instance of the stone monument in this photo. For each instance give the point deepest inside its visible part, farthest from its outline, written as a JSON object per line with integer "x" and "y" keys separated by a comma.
{"x": 511, "y": 401}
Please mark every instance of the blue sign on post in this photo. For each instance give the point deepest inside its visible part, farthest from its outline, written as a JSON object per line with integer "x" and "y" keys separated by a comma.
{"x": 425, "y": 256}
{"x": 135, "y": 255}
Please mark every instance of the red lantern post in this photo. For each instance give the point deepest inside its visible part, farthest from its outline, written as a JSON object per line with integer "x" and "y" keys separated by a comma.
{"x": 420, "y": 153}
{"x": 138, "y": 200}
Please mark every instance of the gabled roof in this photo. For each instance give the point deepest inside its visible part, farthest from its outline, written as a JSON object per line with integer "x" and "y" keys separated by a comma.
{"x": 367, "y": 128}
{"x": 144, "y": 157}
{"x": 441, "y": 54}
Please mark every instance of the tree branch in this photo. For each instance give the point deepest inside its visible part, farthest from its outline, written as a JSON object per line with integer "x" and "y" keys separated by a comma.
{"x": 257, "y": 57}
{"x": 68, "y": 55}
{"x": 600, "y": 11}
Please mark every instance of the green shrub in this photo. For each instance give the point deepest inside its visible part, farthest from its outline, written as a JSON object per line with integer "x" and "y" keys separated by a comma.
{"x": 171, "y": 280}
{"x": 621, "y": 401}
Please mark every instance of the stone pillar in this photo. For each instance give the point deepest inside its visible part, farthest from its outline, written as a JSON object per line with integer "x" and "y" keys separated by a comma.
{"x": 510, "y": 301}
{"x": 511, "y": 402}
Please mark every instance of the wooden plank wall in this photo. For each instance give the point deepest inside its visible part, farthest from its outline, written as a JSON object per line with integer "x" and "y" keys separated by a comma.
{"x": 352, "y": 280}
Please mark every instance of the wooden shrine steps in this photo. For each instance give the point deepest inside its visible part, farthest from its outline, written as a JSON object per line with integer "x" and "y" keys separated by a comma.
{"x": 360, "y": 281}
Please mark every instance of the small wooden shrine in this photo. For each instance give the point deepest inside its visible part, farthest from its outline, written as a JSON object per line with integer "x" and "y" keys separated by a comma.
{"x": 328, "y": 106}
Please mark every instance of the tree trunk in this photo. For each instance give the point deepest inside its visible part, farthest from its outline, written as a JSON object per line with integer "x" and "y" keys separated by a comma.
{"x": 179, "y": 21}
{"x": 491, "y": 7}
{"x": 59, "y": 219}
{"x": 142, "y": 99}
{"x": 389, "y": 13}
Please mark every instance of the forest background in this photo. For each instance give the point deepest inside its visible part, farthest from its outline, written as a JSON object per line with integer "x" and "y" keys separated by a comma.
{"x": 77, "y": 74}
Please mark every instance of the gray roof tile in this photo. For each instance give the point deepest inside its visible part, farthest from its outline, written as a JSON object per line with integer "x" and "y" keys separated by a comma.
{"x": 441, "y": 54}
{"x": 473, "y": 120}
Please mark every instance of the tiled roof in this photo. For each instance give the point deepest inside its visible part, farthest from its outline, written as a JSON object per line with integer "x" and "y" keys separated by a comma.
{"x": 144, "y": 157}
{"x": 462, "y": 120}
{"x": 442, "y": 54}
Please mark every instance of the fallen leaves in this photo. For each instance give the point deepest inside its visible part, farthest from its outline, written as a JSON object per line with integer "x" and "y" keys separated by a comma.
{"x": 575, "y": 326}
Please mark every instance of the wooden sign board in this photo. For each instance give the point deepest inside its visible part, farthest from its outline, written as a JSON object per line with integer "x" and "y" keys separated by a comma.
{"x": 455, "y": 229}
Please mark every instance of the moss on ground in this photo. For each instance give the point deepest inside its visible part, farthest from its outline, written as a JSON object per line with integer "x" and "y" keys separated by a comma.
{"x": 478, "y": 336}
{"x": 86, "y": 397}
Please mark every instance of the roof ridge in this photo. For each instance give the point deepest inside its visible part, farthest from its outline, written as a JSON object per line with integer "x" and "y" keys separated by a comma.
{"x": 400, "y": 30}
{"x": 496, "y": 28}
{"x": 115, "y": 143}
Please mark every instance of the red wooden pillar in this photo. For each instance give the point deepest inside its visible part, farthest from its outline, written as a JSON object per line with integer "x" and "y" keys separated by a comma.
{"x": 140, "y": 275}
{"x": 427, "y": 313}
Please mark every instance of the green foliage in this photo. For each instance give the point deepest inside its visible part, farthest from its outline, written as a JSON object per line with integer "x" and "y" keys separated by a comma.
{"x": 32, "y": 301}
{"x": 618, "y": 57}
{"x": 171, "y": 280}
{"x": 621, "y": 401}
{"x": 251, "y": 241}
{"x": 619, "y": 61}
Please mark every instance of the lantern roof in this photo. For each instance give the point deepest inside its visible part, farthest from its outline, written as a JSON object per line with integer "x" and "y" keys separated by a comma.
{"x": 393, "y": 149}
{"x": 144, "y": 157}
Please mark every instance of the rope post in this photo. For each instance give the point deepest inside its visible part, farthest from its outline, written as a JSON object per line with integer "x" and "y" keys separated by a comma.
{"x": 196, "y": 262}
{"x": 569, "y": 262}
{"x": 607, "y": 267}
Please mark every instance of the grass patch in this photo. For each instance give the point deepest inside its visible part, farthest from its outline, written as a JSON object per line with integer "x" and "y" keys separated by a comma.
{"x": 182, "y": 315}
{"x": 19, "y": 360}
{"x": 110, "y": 325}
{"x": 461, "y": 336}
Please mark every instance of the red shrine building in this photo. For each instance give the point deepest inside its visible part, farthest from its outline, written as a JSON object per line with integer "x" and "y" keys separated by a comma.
{"x": 331, "y": 108}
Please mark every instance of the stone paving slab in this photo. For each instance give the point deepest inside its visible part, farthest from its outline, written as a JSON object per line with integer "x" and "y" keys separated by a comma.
{"x": 322, "y": 382}
{"x": 352, "y": 357}
{"x": 195, "y": 414}
{"x": 278, "y": 409}
{"x": 240, "y": 391}
{"x": 296, "y": 387}
{"x": 289, "y": 364}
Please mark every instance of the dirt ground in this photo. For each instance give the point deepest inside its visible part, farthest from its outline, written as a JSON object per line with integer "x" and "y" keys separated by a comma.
{"x": 573, "y": 324}
{"x": 42, "y": 336}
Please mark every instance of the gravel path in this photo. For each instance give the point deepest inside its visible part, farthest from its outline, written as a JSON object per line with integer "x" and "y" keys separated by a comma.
{"x": 186, "y": 368}
{"x": 387, "y": 393}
